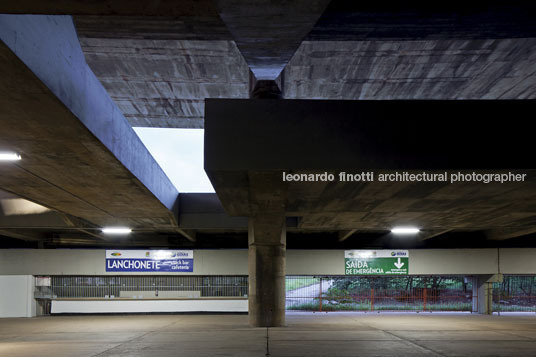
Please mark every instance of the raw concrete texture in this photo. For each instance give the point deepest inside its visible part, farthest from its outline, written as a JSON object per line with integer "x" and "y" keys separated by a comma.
{"x": 268, "y": 33}
{"x": 266, "y": 265}
{"x": 159, "y": 70}
{"x": 314, "y": 137}
{"x": 415, "y": 69}
{"x": 306, "y": 334}
{"x": 80, "y": 156}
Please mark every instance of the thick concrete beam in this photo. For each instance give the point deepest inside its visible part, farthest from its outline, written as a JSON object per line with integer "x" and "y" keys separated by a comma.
{"x": 377, "y": 137}
{"x": 80, "y": 155}
{"x": 204, "y": 211}
{"x": 344, "y": 235}
{"x": 432, "y": 233}
{"x": 22, "y": 234}
{"x": 159, "y": 70}
{"x": 110, "y": 7}
{"x": 345, "y": 20}
{"x": 363, "y": 135}
{"x": 267, "y": 33}
{"x": 511, "y": 232}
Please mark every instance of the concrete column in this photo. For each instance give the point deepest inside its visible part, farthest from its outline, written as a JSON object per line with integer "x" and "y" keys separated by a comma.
{"x": 265, "y": 89}
{"x": 267, "y": 243}
{"x": 483, "y": 293}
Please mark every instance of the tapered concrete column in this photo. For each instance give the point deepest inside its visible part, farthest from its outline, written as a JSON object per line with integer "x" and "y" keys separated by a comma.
{"x": 267, "y": 244}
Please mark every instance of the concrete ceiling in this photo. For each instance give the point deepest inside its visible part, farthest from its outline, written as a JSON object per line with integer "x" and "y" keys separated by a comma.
{"x": 415, "y": 69}
{"x": 267, "y": 32}
{"x": 159, "y": 61}
{"x": 79, "y": 155}
{"x": 159, "y": 70}
{"x": 314, "y": 137}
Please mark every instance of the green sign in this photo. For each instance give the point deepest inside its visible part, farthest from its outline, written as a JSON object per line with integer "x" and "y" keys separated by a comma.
{"x": 376, "y": 262}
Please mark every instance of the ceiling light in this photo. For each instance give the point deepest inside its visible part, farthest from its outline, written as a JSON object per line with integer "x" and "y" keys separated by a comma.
{"x": 116, "y": 230}
{"x": 405, "y": 230}
{"x": 9, "y": 156}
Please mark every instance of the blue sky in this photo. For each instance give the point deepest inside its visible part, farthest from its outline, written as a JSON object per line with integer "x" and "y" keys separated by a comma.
{"x": 179, "y": 152}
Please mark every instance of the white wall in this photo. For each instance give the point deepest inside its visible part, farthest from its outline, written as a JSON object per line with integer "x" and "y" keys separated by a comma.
{"x": 453, "y": 261}
{"x": 91, "y": 262}
{"x": 517, "y": 261}
{"x": 315, "y": 262}
{"x": 16, "y": 296}
{"x": 299, "y": 262}
{"x": 133, "y": 306}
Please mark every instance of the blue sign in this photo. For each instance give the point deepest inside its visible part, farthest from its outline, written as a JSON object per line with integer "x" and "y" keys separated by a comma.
{"x": 172, "y": 261}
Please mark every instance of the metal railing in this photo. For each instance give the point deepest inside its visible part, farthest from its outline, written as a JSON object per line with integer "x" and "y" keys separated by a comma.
{"x": 517, "y": 293}
{"x": 132, "y": 286}
{"x": 309, "y": 293}
{"x": 365, "y": 293}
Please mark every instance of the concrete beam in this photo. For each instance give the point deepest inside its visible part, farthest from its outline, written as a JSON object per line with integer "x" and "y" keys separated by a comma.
{"x": 80, "y": 155}
{"x": 376, "y": 137}
{"x": 343, "y": 235}
{"x": 204, "y": 211}
{"x": 188, "y": 234}
{"x": 262, "y": 33}
{"x": 22, "y": 234}
{"x": 365, "y": 135}
{"x": 509, "y": 233}
{"x": 416, "y": 20}
{"x": 110, "y": 7}
{"x": 159, "y": 70}
{"x": 432, "y": 233}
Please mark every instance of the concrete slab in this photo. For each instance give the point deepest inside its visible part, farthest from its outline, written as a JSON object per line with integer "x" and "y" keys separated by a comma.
{"x": 306, "y": 334}
{"x": 16, "y": 349}
{"x": 461, "y": 335}
{"x": 347, "y": 348}
{"x": 80, "y": 155}
{"x": 482, "y": 348}
{"x": 286, "y": 334}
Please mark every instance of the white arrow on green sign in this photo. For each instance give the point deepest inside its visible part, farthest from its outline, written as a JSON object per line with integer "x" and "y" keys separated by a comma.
{"x": 376, "y": 262}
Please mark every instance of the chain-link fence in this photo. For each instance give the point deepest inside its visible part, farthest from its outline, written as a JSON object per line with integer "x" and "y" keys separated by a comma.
{"x": 365, "y": 293}
{"x": 517, "y": 293}
{"x": 309, "y": 293}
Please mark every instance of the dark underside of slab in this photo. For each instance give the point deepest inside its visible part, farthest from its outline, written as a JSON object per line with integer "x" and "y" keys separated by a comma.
{"x": 154, "y": 64}
{"x": 386, "y": 137}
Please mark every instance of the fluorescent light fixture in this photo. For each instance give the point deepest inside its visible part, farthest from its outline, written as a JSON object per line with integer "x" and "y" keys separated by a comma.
{"x": 405, "y": 230}
{"x": 116, "y": 230}
{"x": 9, "y": 156}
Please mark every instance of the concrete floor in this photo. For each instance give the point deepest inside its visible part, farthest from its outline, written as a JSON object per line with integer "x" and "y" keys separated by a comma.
{"x": 307, "y": 334}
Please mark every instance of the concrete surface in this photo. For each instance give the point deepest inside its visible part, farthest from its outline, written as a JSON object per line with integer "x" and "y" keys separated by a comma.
{"x": 80, "y": 155}
{"x": 268, "y": 33}
{"x": 159, "y": 71}
{"x": 307, "y": 334}
{"x": 361, "y": 137}
{"x": 158, "y": 305}
{"x": 298, "y": 262}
